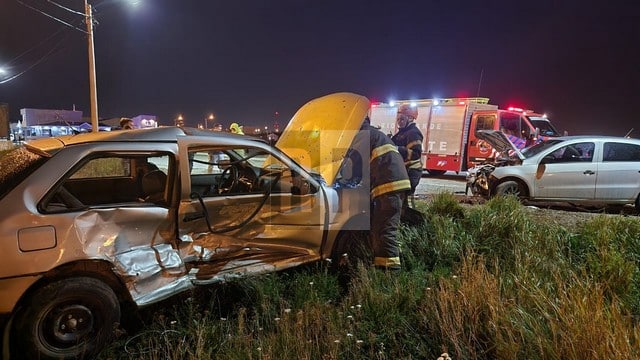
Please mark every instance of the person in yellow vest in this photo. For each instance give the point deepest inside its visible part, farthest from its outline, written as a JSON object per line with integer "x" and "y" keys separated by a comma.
{"x": 236, "y": 129}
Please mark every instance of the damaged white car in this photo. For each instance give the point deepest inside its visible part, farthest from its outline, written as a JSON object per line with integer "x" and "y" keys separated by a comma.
{"x": 598, "y": 170}
{"x": 92, "y": 222}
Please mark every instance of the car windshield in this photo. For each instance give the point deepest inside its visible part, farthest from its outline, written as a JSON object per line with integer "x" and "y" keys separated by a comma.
{"x": 539, "y": 147}
{"x": 15, "y": 166}
{"x": 543, "y": 124}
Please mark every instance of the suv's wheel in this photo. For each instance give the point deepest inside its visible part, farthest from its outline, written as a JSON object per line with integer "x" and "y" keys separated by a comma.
{"x": 68, "y": 319}
{"x": 510, "y": 188}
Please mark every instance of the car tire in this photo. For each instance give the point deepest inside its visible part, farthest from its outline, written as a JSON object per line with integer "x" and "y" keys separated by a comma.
{"x": 351, "y": 248}
{"x": 510, "y": 188}
{"x": 68, "y": 319}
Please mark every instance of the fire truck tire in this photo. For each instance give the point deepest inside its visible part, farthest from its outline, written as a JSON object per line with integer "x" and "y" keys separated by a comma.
{"x": 510, "y": 188}
{"x": 435, "y": 172}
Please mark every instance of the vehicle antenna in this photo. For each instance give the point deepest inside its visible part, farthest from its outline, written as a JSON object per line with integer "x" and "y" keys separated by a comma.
{"x": 480, "y": 82}
{"x": 628, "y": 133}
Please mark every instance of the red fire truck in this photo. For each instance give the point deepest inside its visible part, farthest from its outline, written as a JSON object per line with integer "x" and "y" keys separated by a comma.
{"x": 449, "y": 127}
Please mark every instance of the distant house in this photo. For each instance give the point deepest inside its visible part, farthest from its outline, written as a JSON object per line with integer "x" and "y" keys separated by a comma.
{"x": 47, "y": 123}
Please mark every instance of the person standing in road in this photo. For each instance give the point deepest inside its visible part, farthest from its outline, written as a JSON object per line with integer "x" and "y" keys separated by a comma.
{"x": 236, "y": 129}
{"x": 408, "y": 139}
{"x": 389, "y": 184}
{"x": 126, "y": 124}
{"x": 215, "y": 156}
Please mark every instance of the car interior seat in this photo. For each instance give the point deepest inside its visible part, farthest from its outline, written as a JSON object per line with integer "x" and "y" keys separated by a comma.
{"x": 153, "y": 186}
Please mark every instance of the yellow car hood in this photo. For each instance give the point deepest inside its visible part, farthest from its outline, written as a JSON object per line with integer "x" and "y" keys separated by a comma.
{"x": 320, "y": 133}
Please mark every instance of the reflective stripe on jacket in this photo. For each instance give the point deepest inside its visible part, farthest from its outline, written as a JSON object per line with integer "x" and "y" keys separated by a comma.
{"x": 387, "y": 169}
{"x": 409, "y": 141}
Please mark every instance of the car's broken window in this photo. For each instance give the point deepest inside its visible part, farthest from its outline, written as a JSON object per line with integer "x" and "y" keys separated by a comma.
{"x": 237, "y": 171}
{"x": 614, "y": 151}
{"x": 106, "y": 180}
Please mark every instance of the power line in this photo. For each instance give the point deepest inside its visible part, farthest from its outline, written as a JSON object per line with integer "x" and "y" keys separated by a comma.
{"x": 51, "y": 16}
{"x": 66, "y": 8}
{"x": 35, "y": 46}
{"x": 39, "y": 61}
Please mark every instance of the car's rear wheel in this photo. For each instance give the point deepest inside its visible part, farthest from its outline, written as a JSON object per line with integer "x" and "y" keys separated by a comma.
{"x": 512, "y": 188}
{"x": 67, "y": 319}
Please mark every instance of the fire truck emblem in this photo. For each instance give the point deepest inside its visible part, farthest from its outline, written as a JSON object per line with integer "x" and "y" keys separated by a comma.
{"x": 483, "y": 146}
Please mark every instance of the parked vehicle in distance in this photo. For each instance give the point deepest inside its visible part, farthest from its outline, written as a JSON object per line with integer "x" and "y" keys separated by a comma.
{"x": 449, "y": 128}
{"x": 91, "y": 222}
{"x": 576, "y": 169}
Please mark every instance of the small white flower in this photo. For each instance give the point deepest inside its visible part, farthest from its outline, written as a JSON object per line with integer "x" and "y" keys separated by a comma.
{"x": 350, "y": 317}
{"x": 336, "y": 341}
{"x": 311, "y": 283}
{"x": 277, "y": 319}
{"x": 259, "y": 349}
{"x": 286, "y": 311}
{"x": 223, "y": 319}
{"x": 349, "y": 334}
{"x": 455, "y": 276}
{"x": 428, "y": 289}
{"x": 358, "y": 306}
{"x": 353, "y": 307}
{"x": 359, "y": 341}
{"x": 173, "y": 322}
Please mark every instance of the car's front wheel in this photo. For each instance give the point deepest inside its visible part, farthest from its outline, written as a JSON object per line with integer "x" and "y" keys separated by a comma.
{"x": 68, "y": 319}
{"x": 510, "y": 188}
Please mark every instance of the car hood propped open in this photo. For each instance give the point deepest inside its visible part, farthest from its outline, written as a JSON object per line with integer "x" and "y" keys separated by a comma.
{"x": 500, "y": 142}
{"x": 320, "y": 133}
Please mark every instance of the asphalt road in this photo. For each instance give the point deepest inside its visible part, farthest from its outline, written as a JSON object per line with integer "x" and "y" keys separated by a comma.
{"x": 449, "y": 182}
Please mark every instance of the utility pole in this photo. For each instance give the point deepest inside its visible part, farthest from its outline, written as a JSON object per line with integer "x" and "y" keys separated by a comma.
{"x": 92, "y": 68}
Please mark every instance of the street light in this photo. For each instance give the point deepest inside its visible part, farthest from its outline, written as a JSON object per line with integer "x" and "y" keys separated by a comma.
{"x": 206, "y": 120}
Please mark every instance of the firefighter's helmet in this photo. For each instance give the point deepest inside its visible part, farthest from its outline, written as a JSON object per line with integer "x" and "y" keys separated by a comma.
{"x": 408, "y": 110}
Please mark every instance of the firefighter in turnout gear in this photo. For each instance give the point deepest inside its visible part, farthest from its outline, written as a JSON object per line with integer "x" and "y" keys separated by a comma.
{"x": 389, "y": 185}
{"x": 409, "y": 141}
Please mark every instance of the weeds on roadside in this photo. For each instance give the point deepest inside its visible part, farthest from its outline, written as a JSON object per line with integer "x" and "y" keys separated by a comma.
{"x": 485, "y": 282}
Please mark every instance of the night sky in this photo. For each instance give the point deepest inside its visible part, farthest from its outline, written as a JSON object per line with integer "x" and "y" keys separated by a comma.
{"x": 245, "y": 60}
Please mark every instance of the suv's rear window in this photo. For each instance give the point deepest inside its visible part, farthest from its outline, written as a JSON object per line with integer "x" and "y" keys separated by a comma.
{"x": 15, "y": 166}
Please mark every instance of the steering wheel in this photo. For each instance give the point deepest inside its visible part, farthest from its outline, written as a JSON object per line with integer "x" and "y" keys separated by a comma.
{"x": 228, "y": 179}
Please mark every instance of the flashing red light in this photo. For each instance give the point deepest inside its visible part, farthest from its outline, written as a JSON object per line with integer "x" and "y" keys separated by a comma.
{"x": 375, "y": 103}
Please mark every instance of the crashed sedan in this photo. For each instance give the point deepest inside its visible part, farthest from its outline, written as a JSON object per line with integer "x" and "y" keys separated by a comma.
{"x": 93, "y": 222}
{"x": 597, "y": 170}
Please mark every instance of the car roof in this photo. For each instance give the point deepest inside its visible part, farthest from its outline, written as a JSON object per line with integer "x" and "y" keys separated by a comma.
{"x": 596, "y": 137}
{"x": 160, "y": 134}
